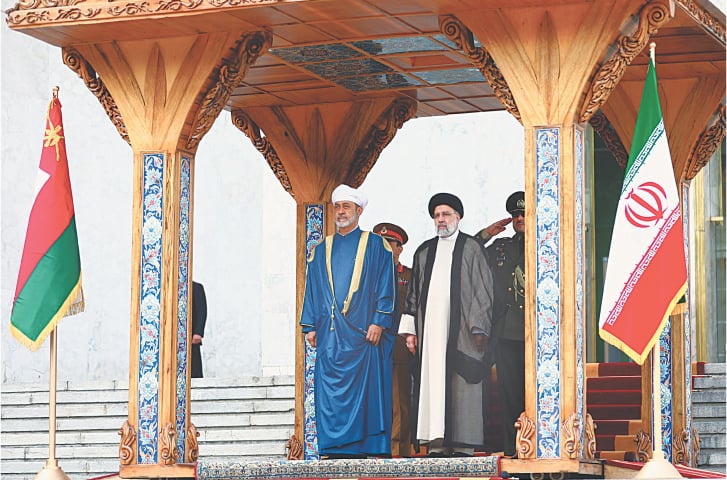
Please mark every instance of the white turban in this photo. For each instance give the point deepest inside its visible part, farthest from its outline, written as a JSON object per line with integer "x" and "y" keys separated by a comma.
{"x": 344, "y": 193}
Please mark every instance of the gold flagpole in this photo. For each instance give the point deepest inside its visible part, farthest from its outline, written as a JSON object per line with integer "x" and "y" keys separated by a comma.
{"x": 51, "y": 470}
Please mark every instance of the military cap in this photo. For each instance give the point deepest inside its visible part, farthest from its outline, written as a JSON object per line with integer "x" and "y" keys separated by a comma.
{"x": 391, "y": 232}
{"x": 446, "y": 199}
{"x": 516, "y": 201}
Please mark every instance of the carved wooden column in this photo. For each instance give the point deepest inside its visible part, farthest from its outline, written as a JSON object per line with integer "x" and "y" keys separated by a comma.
{"x": 163, "y": 98}
{"x": 312, "y": 149}
{"x": 555, "y": 66}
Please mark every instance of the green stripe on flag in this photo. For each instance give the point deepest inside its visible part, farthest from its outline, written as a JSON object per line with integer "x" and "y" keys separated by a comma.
{"x": 50, "y": 289}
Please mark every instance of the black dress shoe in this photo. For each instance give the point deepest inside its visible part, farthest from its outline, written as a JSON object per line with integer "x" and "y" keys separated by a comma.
{"x": 436, "y": 455}
{"x": 461, "y": 454}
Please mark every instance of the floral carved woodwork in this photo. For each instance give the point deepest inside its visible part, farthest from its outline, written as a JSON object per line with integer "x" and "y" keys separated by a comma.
{"x": 571, "y": 435}
{"x": 707, "y": 144}
{"x": 454, "y": 30}
{"x": 294, "y": 448}
{"x": 525, "y": 438}
{"x": 192, "y": 444}
{"x": 247, "y": 126}
{"x": 379, "y": 136}
{"x": 651, "y": 17}
{"x": 126, "y": 446}
{"x": 610, "y": 137}
{"x": 168, "y": 440}
{"x": 681, "y": 447}
{"x": 227, "y": 77}
{"x": 707, "y": 20}
{"x": 696, "y": 447}
{"x": 643, "y": 446}
{"x": 590, "y": 436}
{"x": 75, "y": 61}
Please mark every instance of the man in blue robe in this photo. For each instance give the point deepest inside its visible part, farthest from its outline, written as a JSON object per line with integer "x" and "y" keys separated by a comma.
{"x": 347, "y": 317}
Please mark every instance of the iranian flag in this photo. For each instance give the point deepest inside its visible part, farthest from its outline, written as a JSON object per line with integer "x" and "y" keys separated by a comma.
{"x": 49, "y": 281}
{"x": 647, "y": 272}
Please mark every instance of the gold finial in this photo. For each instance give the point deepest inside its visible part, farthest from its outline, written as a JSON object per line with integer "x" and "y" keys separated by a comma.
{"x": 55, "y": 91}
{"x": 652, "y": 52}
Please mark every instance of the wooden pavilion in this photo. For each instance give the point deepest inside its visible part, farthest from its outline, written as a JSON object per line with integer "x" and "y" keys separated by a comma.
{"x": 320, "y": 87}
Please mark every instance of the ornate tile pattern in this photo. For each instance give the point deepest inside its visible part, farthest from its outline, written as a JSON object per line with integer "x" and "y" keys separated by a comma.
{"x": 150, "y": 312}
{"x": 580, "y": 299}
{"x": 369, "y": 468}
{"x": 388, "y": 46}
{"x": 314, "y": 233}
{"x": 450, "y": 77}
{"x": 347, "y": 68}
{"x": 377, "y": 82}
{"x": 687, "y": 326}
{"x": 547, "y": 284}
{"x": 665, "y": 372}
{"x": 316, "y": 53}
{"x": 182, "y": 304}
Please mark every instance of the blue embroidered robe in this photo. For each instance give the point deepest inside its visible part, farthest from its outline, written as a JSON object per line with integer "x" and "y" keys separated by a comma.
{"x": 350, "y": 284}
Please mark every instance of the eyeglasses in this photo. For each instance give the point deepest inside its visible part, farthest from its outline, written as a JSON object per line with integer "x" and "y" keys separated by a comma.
{"x": 518, "y": 213}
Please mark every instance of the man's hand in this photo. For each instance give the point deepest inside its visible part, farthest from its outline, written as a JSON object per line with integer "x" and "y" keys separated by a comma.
{"x": 196, "y": 339}
{"x": 311, "y": 337}
{"x": 480, "y": 342}
{"x": 373, "y": 334}
{"x": 411, "y": 343}
{"x": 498, "y": 227}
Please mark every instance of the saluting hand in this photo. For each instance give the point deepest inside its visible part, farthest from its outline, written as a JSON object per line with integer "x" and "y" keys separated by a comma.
{"x": 373, "y": 334}
{"x": 411, "y": 343}
{"x": 498, "y": 227}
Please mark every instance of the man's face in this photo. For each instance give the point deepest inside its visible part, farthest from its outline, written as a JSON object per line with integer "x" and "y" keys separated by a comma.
{"x": 446, "y": 220}
{"x": 347, "y": 214}
{"x": 396, "y": 249}
{"x": 518, "y": 221}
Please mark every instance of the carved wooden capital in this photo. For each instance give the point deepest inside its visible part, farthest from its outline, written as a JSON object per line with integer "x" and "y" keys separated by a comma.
{"x": 651, "y": 17}
{"x": 225, "y": 79}
{"x": 708, "y": 142}
{"x": 294, "y": 448}
{"x": 126, "y": 446}
{"x": 572, "y": 436}
{"x": 75, "y": 61}
{"x": 168, "y": 448}
{"x": 378, "y": 137}
{"x": 192, "y": 444}
{"x": 643, "y": 446}
{"x": 525, "y": 438}
{"x": 681, "y": 447}
{"x": 458, "y": 33}
{"x": 696, "y": 447}
{"x": 247, "y": 126}
{"x": 610, "y": 137}
{"x": 589, "y": 432}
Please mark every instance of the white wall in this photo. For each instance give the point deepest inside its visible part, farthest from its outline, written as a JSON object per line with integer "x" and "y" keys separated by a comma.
{"x": 244, "y": 222}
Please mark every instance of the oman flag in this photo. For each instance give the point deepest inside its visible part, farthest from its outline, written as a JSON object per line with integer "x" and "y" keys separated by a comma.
{"x": 49, "y": 281}
{"x": 647, "y": 271}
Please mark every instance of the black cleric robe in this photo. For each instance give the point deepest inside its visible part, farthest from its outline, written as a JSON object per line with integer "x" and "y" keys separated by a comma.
{"x": 470, "y": 312}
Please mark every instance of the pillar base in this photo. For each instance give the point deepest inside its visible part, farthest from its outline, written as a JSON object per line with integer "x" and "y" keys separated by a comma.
{"x": 658, "y": 468}
{"x": 51, "y": 471}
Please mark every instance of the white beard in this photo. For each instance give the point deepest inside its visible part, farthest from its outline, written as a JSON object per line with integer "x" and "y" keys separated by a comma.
{"x": 446, "y": 231}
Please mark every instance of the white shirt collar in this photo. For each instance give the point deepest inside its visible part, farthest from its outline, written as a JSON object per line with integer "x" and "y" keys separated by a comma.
{"x": 452, "y": 237}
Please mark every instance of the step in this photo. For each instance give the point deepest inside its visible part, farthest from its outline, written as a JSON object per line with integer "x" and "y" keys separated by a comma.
{"x": 627, "y": 455}
{"x": 606, "y": 397}
{"x": 715, "y": 369}
{"x": 709, "y": 381}
{"x": 707, "y": 426}
{"x": 618, "y": 427}
{"x": 703, "y": 411}
{"x": 615, "y": 412}
{"x": 709, "y": 396}
{"x": 618, "y": 369}
{"x": 713, "y": 441}
{"x": 613, "y": 383}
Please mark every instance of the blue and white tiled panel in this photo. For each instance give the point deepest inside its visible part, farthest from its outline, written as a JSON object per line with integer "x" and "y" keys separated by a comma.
{"x": 579, "y": 138}
{"x": 547, "y": 284}
{"x": 314, "y": 234}
{"x": 665, "y": 381}
{"x": 183, "y": 291}
{"x": 150, "y": 310}
{"x": 687, "y": 327}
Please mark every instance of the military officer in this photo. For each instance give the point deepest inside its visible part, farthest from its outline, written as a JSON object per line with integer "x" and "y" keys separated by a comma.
{"x": 507, "y": 260}
{"x": 401, "y": 425}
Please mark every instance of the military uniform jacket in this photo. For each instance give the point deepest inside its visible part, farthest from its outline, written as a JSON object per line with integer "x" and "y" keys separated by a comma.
{"x": 507, "y": 261}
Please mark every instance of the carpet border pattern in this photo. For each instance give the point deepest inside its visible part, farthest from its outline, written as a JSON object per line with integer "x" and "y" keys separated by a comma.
{"x": 369, "y": 468}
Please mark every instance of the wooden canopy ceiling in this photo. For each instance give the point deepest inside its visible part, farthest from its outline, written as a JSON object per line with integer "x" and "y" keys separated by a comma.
{"x": 340, "y": 50}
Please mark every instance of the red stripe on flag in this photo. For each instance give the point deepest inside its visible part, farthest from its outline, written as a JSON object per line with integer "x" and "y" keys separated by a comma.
{"x": 53, "y": 207}
{"x": 640, "y": 320}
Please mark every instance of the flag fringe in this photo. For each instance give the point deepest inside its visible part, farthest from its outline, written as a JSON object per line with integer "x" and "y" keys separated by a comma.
{"x": 634, "y": 355}
{"x": 71, "y": 304}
